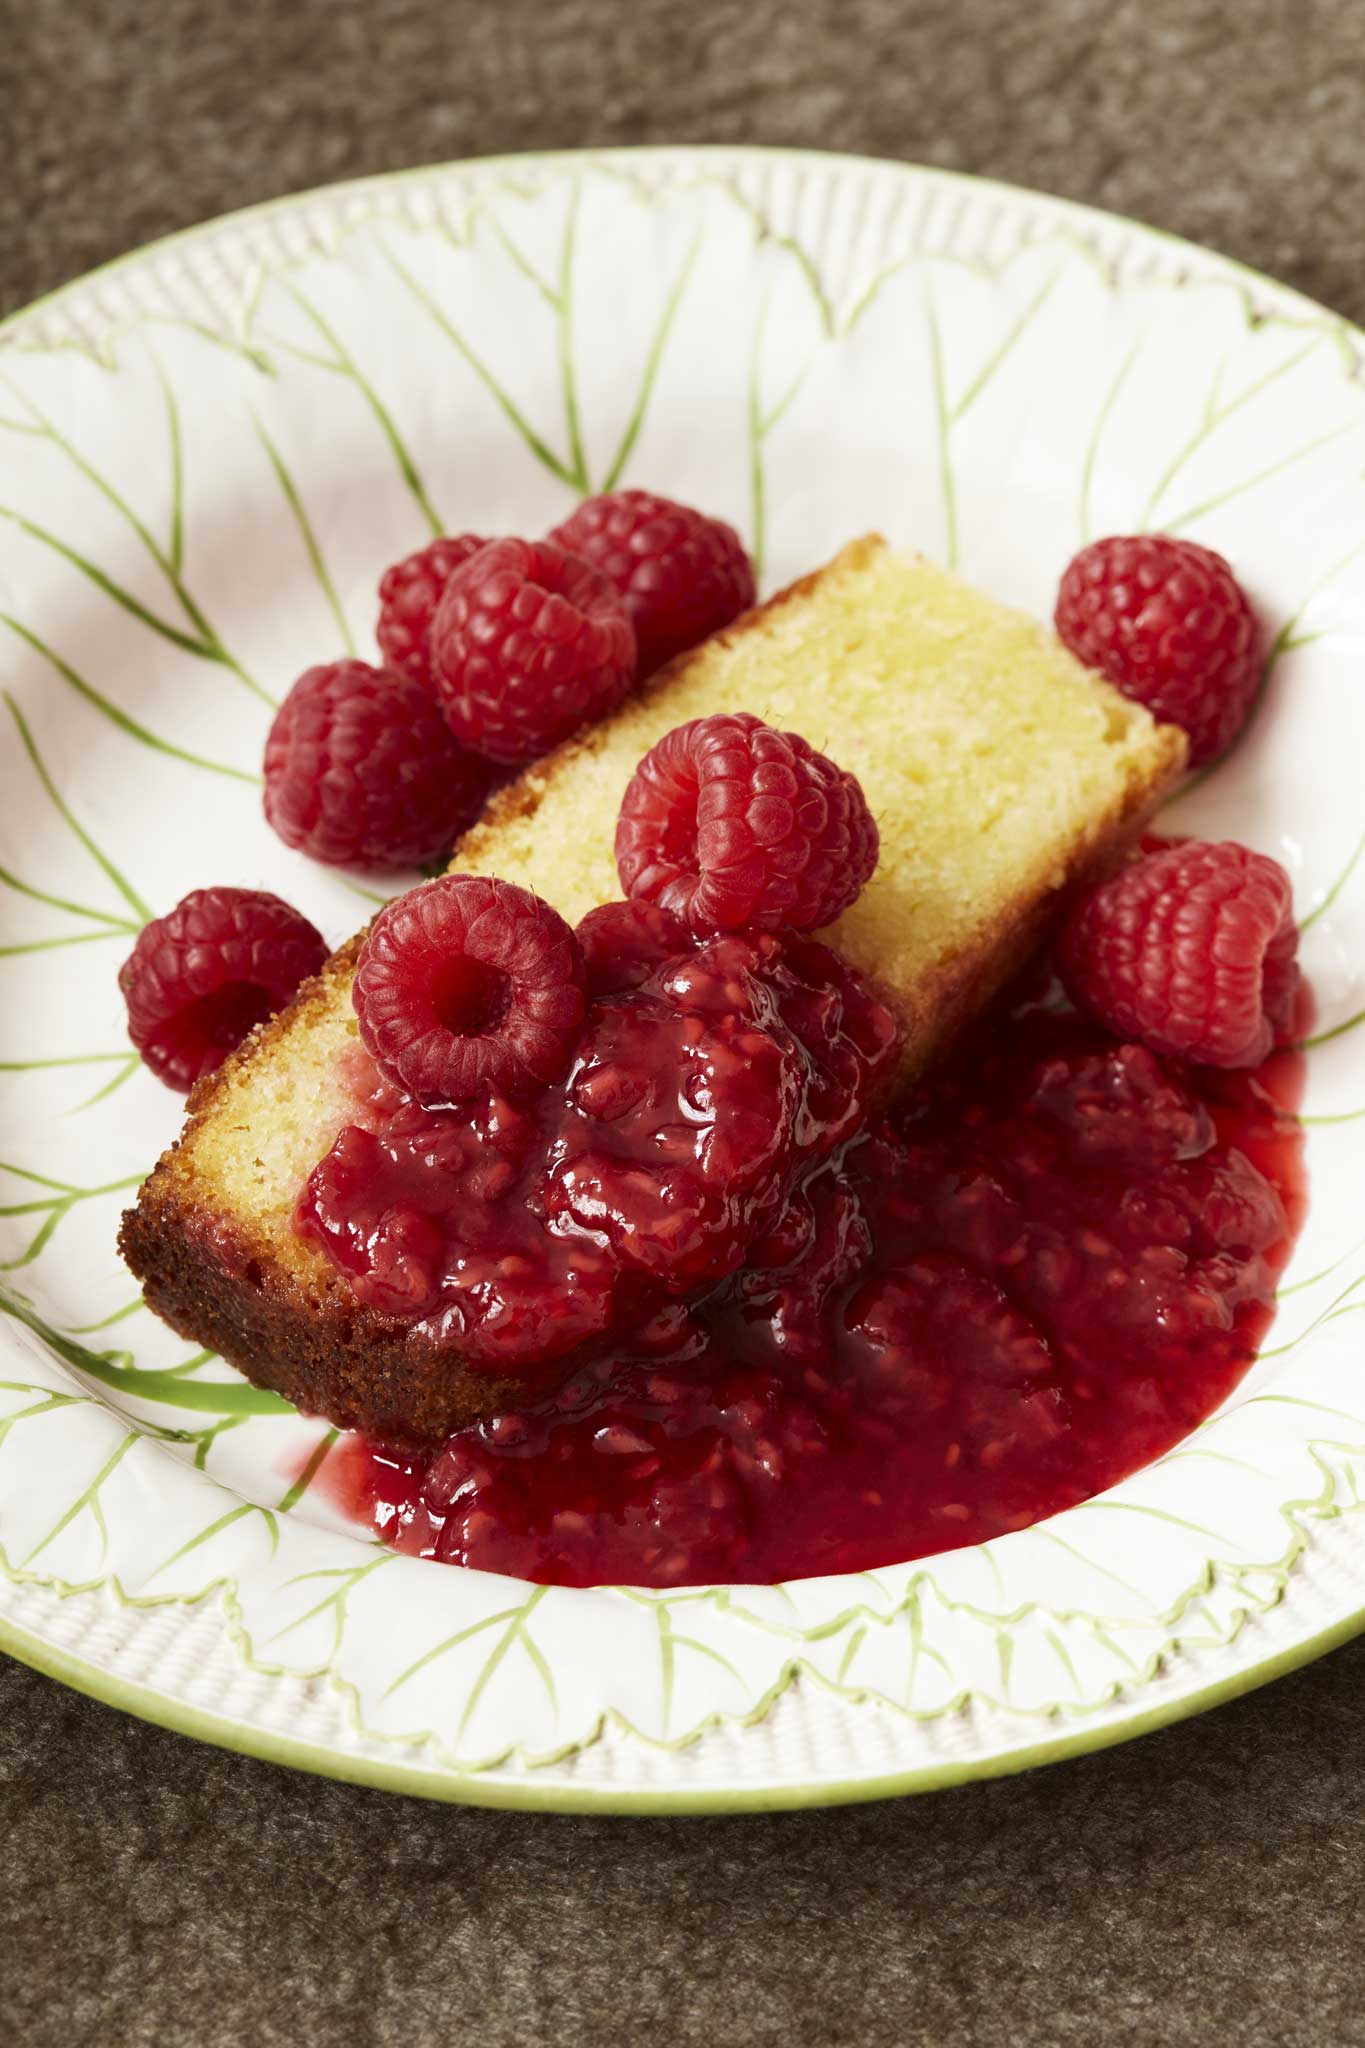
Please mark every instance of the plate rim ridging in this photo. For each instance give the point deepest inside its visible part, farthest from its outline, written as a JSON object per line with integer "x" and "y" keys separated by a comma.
{"x": 533, "y": 1790}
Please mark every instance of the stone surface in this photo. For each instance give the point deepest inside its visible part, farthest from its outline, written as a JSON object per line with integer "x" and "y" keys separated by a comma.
{"x": 1200, "y": 1885}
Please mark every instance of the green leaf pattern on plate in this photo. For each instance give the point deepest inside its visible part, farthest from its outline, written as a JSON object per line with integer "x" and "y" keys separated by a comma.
{"x": 808, "y": 357}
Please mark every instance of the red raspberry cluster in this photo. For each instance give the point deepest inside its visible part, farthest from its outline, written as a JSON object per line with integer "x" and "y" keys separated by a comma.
{"x": 496, "y": 650}
{"x": 467, "y": 986}
{"x": 1191, "y": 951}
{"x": 499, "y": 649}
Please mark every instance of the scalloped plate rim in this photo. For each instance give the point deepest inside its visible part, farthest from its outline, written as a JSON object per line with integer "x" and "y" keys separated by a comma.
{"x": 530, "y": 1793}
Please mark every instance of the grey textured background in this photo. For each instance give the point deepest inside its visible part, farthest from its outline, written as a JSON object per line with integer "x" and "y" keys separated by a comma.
{"x": 1203, "y": 1885}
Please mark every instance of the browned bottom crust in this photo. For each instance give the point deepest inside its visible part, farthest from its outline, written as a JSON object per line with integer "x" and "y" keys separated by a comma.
{"x": 360, "y": 1369}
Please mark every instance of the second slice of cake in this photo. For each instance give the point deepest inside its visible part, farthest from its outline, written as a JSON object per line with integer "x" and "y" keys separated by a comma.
{"x": 999, "y": 771}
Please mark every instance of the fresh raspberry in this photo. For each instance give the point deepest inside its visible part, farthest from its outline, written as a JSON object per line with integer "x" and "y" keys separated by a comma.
{"x": 467, "y": 986}
{"x": 623, "y": 943}
{"x": 529, "y": 643}
{"x": 681, "y": 574}
{"x": 362, "y": 770}
{"x": 728, "y": 823}
{"x": 409, "y": 594}
{"x": 1170, "y": 626}
{"x": 1191, "y": 951}
{"x": 200, "y": 977}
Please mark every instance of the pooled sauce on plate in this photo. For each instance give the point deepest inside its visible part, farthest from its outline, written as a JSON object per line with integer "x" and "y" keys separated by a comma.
{"x": 1040, "y": 1270}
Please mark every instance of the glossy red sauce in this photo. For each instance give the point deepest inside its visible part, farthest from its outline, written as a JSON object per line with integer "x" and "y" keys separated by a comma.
{"x": 707, "y": 1086}
{"x": 1050, "y": 1262}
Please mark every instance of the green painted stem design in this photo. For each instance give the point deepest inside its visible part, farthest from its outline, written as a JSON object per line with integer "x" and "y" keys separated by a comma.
{"x": 1336, "y": 1031}
{"x": 515, "y": 1630}
{"x": 1340, "y": 883}
{"x": 578, "y": 462}
{"x": 761, "y": 423}
{"x": 127, "y": 1064}
{"x": 124, "y": 720}
{"x": 245, "y": 1509}
{"x": 653, "y": 361}
{"x": 335, "y": 1602}
{"x": 1217, "y": 410}
{"x": 1325, "y": 1315}
{"x": 343, "y": 364}
{"x": 670, "y": 1642}
{"x": 1195, "y": 513}
{"x": 947, "y": 485}
{"x": 317, "y": 1458}
{"x": 172, "y": 1386}
{"x": 54, "y": 1205}
{"x": 176, "y": 545}
{"x": 89, "y": 1498}
{"x": 47, "y": 1403}
{"x": 1291, "y": 634}
{"x": 949, "y": 412}
{"x": 1092, "y": 453}
{"x": 571, "y": 472}
{"x": 294, "y": 499}
{"x": 116, "y": 1315}
{"x": 127, "y": 1068}
{"x": 242, "y": 1512}
{"x": 571, "y": 468}
{"x": 108, "y": 925}
{"x": 201, "y": 639}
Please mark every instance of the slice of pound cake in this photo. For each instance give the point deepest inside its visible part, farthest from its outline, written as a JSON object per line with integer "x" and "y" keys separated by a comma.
{"x": 999, "y": 771}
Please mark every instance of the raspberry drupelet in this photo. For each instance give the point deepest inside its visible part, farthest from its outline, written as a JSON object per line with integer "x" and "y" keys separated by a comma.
{"x": 728, "y": 823}
{"x": 362, "y": 770}
{"x": 682, "y": 576}
{"x": 467, "y": 987}
{"x": 199, "y": 978}
{"x": 1191, "y": 950}
{"x": 409, "y": 594}
{"x": 1169, "y": 625}
{"x": 529, "y": 644}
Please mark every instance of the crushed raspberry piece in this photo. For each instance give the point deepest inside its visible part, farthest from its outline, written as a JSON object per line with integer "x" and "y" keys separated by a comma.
{"x": 199, "y": 978}
{"x": 681, "y": 574}
{"x": 409, "y": 594}
{"x": 1171, "y": 627}
{"x": 728, "y": 823}
{"x": 623, "y": 943}
{"x": 362, "y": 770}
{"x": 1191, "y": 951}
{"x": 529, "y": 644}
{"x": 467, "y": 987}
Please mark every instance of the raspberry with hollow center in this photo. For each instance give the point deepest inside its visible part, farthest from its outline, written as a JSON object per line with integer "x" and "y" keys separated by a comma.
{"x": 199, "y": 978}
{"x": 362, "y": 770}
{"x": 409, "y": 595}
{"x": 528, "y": 644}
{"x": 728, "y": 823}
{"x": 1171, "y": 627}
{"x": 1191, "y": 951}
{"x": 467, "y": 987}
{"x": 681, "y": 574}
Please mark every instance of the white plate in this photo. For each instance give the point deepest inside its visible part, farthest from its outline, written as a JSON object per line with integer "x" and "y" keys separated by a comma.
{"x": 210, "y": 450}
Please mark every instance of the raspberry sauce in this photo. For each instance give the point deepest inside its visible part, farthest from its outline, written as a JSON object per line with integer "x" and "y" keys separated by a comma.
{"x": 1041, "y": 1269}
{"x": 706, "y": 1085}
